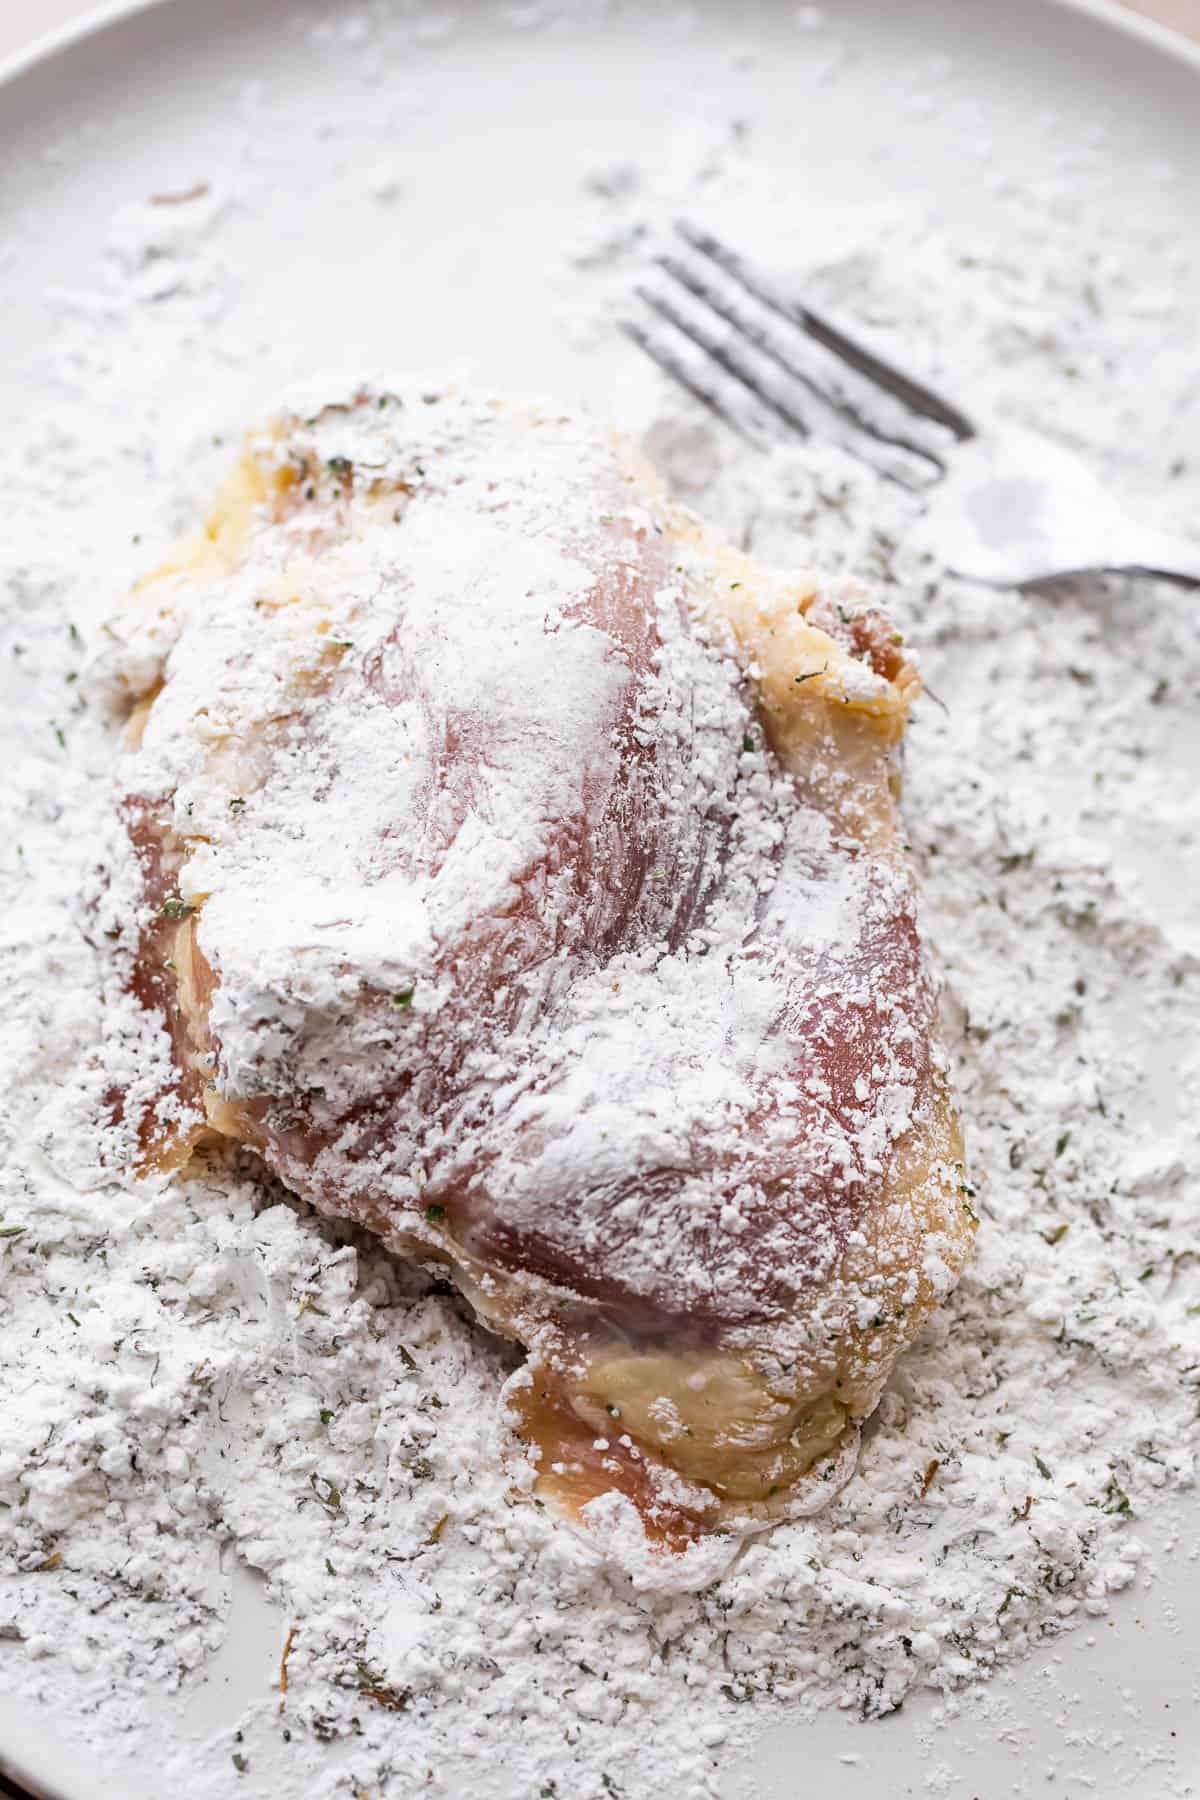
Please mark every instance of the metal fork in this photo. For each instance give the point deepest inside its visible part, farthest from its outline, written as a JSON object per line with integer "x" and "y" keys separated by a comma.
{"x": 1005, "y": 506}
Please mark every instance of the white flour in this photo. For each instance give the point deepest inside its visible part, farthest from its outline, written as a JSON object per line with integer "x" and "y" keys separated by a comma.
{"x": 208, "y": 1367}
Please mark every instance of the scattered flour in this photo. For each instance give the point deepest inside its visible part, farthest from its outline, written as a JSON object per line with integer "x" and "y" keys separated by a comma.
{"x": 206, "y": 1367}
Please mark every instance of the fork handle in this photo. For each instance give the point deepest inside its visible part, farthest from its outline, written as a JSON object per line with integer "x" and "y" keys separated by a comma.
{"x": 1170, "y": 558}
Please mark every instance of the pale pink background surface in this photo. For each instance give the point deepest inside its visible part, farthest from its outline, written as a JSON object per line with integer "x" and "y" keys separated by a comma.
{"x": 23, "y": 21}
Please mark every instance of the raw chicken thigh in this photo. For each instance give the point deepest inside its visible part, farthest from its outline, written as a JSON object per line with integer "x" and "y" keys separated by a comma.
{"x": 520, "y": 877}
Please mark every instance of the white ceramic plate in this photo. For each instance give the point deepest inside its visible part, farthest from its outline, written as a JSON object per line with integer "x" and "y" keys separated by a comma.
{"x": 468, "y": 254}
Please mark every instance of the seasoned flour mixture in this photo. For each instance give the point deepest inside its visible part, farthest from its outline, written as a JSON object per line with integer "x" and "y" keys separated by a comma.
{"x": 199, "y": 1374}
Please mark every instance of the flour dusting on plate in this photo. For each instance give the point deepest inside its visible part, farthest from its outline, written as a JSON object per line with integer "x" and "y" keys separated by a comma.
{"x": 201, "y": 1370}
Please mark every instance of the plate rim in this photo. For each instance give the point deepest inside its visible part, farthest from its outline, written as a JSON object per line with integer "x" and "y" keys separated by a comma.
{"x": 1110, "y": 15}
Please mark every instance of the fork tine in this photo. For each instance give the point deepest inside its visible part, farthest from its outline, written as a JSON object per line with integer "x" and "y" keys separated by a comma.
{"x": 729, "y": 355}
{"x": 693, "y": 375}
{"x": 883, "y": 417}
{"x": 904, "y": 387}
{"x": 801, "y": 406}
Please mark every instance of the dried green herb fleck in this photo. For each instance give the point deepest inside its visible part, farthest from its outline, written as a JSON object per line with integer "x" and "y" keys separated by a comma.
{"x": 1116, "y": 1500}
{"x": 326, "y": 1491}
